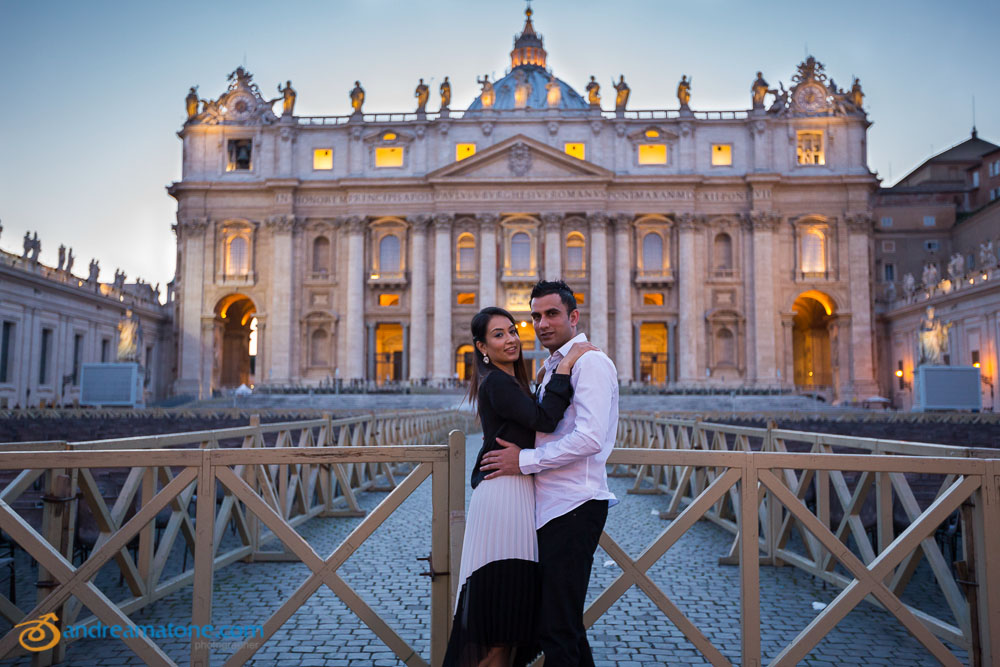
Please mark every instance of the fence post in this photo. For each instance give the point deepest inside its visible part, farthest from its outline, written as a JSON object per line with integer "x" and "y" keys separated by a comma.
{"x": 456, "y": 511}
{"x": 250, "y": 477}
{"x": 749, "y": 564}
{"x": 204, "y": 531}
{"x": 54, "y": 519}
{"x": 987, "y": 545}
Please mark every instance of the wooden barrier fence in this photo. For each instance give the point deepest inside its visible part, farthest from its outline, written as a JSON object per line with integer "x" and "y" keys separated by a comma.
{"x": 296, "y": 492}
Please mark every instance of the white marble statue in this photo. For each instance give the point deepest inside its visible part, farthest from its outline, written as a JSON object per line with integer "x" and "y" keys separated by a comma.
{"x": 909, "y": 285}
{"x": 930, "y": 277}
{"x": 956, "y": 267}
{"x": 932, "y": 338}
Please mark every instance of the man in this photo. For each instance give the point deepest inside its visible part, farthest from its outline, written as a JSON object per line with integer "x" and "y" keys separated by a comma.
{"x": 571, "y": 484}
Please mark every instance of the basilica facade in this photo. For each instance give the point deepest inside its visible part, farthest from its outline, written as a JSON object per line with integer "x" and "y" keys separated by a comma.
{"x": 707, "y": 249}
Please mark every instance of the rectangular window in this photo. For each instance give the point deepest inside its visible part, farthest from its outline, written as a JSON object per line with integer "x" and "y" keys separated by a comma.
{"x": 722, "y": 155}
{"x": 388, "y": 299}
{"x": 239, "y": 155}
{"x": 652, "y": 299}
{"x": 929, "y": 221}
{"x": 975, "y": 179}
{"x": 888, "y": 246}
{"x": 105, "y": 350}
{"x": 6, "y": 350}
{"x": 466, "y": 298}
{"x": 931, "y": 246}
{"x": 993, "y": 194}
{"x": 653, "y": 154}
{"x": 890, "y": 273}
{"x": 389, "y": 156}
{"x": 809, "y": 149}
{"x": 43, "y": 358}
{"x": 579, "y": 298}
{"x": 975, "y": 358}
{"x": 575, "y": 149}
{"x": 463, "y": 151}
{"x": 323, "y": 159}
{"x": 77, "y": 357}
{"x": 886, "y": 221}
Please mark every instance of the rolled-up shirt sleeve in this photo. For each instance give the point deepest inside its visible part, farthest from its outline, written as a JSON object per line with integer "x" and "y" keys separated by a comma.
{"x": 594, "y": 380}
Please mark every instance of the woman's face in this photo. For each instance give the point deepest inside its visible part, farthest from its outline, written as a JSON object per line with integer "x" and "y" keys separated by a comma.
{"x": 502, "y": 342}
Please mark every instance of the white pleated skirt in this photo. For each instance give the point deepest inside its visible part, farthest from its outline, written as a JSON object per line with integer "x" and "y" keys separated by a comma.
{"x": 500, "y": 524}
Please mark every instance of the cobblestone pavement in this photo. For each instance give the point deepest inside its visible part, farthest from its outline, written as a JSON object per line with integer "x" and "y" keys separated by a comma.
{"x": 385, "y": 572}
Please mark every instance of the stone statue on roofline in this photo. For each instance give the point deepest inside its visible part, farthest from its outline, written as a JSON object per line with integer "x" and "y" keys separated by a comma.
{"x": 780, "y": 103}
{"x": 759, "y": 89}
{"x": 684, "y": 92}
{"x": 445, "y": 90}
{"x": 909, "y": 285}
{"x": 593, "y": 92}
{"x": 987, "y": 256}
{"x": 422, "y": 93}
{"x": 622, "y": 93}
{"x": 62, "y": 257}
{"x": 191, "y": 102}
{"x": 956, "y": 267}
{"x": 553, "y": 93}
{"x": 70, "y": 258}
{"x": 357, "y": 97}
{"x": 855, "y": 95}
{"x": 487, "y": 96}
{"x": 930, "y": 276}
{"x": 94, "y": 272}
{"x": 890, "y": 291}
{"x": 287, "y": 98}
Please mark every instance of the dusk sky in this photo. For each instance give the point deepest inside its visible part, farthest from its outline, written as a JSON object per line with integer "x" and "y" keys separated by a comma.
{"x": 96, "y": 89}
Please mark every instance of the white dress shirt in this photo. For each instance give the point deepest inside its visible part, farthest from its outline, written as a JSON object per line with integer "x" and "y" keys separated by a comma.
{"x": 570, "y": 463}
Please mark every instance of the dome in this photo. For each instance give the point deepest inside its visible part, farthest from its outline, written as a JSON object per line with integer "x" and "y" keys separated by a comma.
{"x": 538, "y": 79}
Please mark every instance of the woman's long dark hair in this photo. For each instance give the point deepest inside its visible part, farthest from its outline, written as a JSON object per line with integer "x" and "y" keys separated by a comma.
{"x": 481, "y": 369}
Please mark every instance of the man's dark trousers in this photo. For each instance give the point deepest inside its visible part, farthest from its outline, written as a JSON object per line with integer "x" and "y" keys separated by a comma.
{"x": 566, "y": 547}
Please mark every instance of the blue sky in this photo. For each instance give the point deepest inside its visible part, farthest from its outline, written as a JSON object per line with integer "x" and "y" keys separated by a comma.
{"x": 95, "y": 90}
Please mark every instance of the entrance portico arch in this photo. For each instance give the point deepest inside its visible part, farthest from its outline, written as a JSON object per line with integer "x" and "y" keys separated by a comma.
{"x": 231, "y": 367}
{"x": 814, "y": 313}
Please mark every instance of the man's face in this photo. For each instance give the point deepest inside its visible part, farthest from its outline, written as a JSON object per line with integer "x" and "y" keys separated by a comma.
{"x": 553, "y": 325}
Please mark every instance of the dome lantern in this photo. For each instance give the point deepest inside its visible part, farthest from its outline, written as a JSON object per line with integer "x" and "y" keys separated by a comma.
{"x": 528, "y": 49}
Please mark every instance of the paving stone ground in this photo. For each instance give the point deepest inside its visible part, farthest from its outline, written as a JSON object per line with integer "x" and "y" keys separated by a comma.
{"x": 385, "y": 572}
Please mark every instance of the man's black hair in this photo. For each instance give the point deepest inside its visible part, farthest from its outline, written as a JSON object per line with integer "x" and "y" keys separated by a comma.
{"x": 546, "y": 287}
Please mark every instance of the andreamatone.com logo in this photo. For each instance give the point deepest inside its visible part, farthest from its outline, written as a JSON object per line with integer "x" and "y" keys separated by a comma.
{"x": 41, "y": 634}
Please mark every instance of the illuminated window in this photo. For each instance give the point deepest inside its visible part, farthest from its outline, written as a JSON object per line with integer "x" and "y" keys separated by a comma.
{"x": 389, "y": 156}
{"x": 466, "y": 298}
{"x": 389, "y": 136}
{"x": 722, "y": 155}
{"x": 321, "y": 255}
{"x": 652, "y": 252}
{"x": 388, "y": 352}
{"x": 323, "y": 159}
{"x": 238, "y": 256}
{"x": 466, "y": 254}
{"x": 653, "y": 353}
{"x": 463, "y": 151}
{"x": 520, "y": 252}
{"x": 813, "y": 245}
{"x": 575, "y": 149}
{"x": 388, "y": 299}
{"x": 465, "y": 357}
{"x": 653, "y": 154}
{"x": 239, "y": 154}
{"x": 809, "y": 149}
{"x": 652, "y": 298}
{"x": 575, "y": 247}
{"x": 579, "y": 298}
{"x": 388, "y": 254}
{"x": 652, "y": 134}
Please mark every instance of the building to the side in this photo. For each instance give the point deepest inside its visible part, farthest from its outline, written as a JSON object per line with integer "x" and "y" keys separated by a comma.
{"x": 937, "y": 240}
{"x": 724, "y": 249}
{"x": 52, "y": 322}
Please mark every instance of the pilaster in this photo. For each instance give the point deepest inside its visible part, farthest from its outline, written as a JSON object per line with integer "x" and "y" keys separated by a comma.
{"x": 688, "y": 328}
{"x": 552, "y": 227}
{"x": 418, "y": 298}
{"x": 442, "y": 297}
{"x": 598, "y": 280}
{"x": 623, "y": 297}
{"x": 488, "y": 259}
{"x": 354, "y": 326}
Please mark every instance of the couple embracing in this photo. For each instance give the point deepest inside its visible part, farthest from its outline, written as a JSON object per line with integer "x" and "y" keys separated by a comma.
{"x": 540, "y": 492}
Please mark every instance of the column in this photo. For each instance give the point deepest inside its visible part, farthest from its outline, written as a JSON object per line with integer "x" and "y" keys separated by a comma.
{"x": 671, "y": 353}
{"x": 370, "y": 351}
{"x": 623, "y": 297}
{"x": 354, "y": 327}
{"x": 552, "y": 226}
{"x": 599, "y": 280}
{"x": 281, "y": 306}
{"x": 443, "y": 361}
{"x": 488, "y": 259}
{"x": 637, "y": 357}
{"x": 418, "y": 298}
{"x": 687, "y": 294}
{"x": 862, "y": 326}
{"x": 405, "y": 372}
{"x": 787, "y": 376}
{"x": 763, "y": 225}
{"x": 262, "y": 341}
{"x": 191, "y": 237}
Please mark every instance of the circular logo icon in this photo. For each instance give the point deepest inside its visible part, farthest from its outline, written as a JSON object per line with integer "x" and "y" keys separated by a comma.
{"x": 39, "y": 634}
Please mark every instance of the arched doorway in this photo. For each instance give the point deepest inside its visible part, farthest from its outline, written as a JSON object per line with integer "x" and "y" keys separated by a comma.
{"x": 811, "y": 348}
{"x": 234, "y": 329}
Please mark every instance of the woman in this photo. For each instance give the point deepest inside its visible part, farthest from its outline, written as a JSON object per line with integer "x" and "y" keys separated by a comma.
{"x": 495, "y": 613}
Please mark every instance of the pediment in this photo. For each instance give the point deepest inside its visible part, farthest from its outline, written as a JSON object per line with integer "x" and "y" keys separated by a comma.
{"x": 520, "y": 158}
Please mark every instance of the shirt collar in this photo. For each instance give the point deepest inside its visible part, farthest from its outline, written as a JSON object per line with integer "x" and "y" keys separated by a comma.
{"x": 559, "y": 354}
